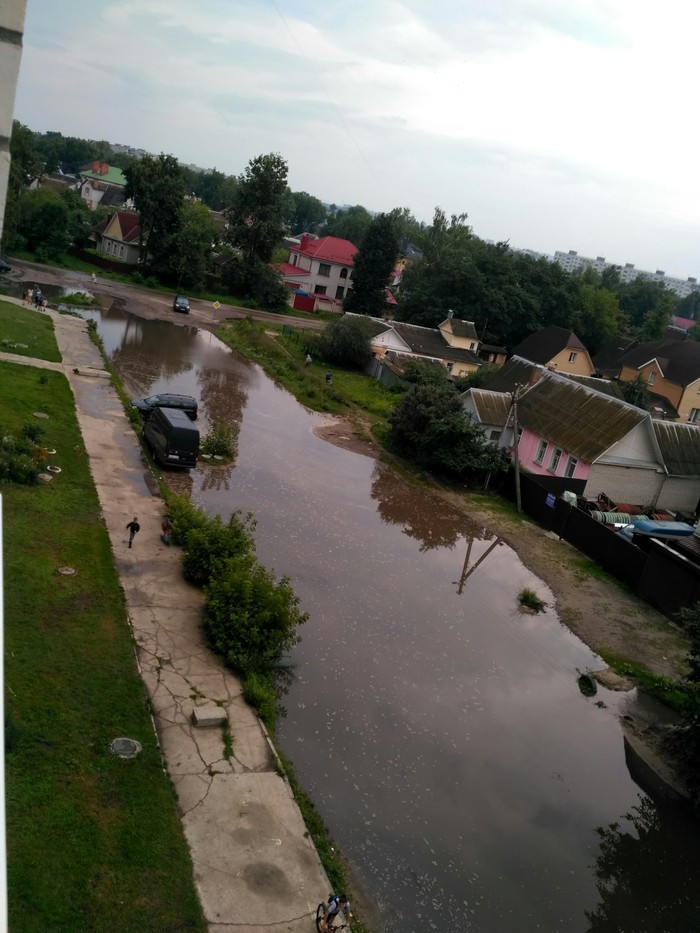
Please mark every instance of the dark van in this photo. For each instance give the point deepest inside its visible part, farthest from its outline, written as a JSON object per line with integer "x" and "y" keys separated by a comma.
{"x": 172, "y": 438}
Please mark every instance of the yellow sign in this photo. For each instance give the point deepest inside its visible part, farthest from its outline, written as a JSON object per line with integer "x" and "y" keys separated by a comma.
{"x": 216, "y": 305}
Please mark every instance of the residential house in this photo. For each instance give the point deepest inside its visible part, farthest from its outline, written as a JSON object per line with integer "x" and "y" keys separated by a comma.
{"x": 463, "y": 334}
{"x": 492, "y": 411}
{"x": 321, "y": 268}
{"x": 118, "y": 236}
{"x": 671, "y": 369}
{"x": 575, "y": 428}
{"x": 398, "y": 343}
{"x": 558, "y": 349}
{"x": 102, "y": 184}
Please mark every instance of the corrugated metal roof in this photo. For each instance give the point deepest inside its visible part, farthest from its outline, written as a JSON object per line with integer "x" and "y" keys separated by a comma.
{"x": 461, "y": 328}
{"x": 491, "y": 407}
{"x": 680, "y": 447}
{"x": 581, "y": 421}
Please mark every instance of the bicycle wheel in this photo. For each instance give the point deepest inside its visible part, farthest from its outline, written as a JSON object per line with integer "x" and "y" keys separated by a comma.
{"x": 320, "y": 911}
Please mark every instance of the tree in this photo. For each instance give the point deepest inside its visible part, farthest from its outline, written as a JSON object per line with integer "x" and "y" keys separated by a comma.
{"x": 598, "y": 317}
{"x": 349, "y": 224}
{"x": 307, "y": 212}
{"x": 373, "y": 264}
{"x": 260, "y": 204}
{"x": 189, "y": 245}
{"x": 644, "y": 298}
{"x": 430, "y": 425}
{"x": 24, "y": 167}
{"x": 157, "y": 188}
{"x": 49, "y": 222}
{"x": 689, "y": 307}
{"x": 346, "y": 340}
{"x": 636, "y": 391}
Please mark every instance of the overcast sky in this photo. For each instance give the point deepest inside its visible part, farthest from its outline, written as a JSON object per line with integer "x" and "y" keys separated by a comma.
{"x": 553, "y": 124}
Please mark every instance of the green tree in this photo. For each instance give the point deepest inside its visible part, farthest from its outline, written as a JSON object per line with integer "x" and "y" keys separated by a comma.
{"x": 689, "y": 307}
{"x": 189, "y": 245}
{"x": 636, "y": 391}
{"x": 49, "y": 222}
{"x": 261, "y": 201}
{"x": 598, "y": 317}
{"x": 350, "y": 223}
{"x": 307, "y": 212}
{"x": 346, "y": 340}
{"x": 157, "y": 188}
{"x": 25, "y": 165}
{"x": 373, "y": 264}
{"x": 644, "y": 298}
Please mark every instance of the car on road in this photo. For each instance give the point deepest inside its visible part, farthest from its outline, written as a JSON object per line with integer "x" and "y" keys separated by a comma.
{"x": 5, "y": 266}
{"x": 181, "y": 304}
{"x": 166, "y": 400}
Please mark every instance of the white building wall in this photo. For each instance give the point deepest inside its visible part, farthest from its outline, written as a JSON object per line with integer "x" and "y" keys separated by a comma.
{"x": 624, "y": 484}
{"x": 679, "y": 494}
{"x": 11, "y": 30}
{"x": 635, "y": 447}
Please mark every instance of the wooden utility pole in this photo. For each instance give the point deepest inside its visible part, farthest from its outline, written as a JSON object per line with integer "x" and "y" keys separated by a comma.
{"x": 516, "y": 455}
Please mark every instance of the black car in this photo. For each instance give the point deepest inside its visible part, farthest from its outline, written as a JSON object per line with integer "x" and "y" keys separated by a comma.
{"x": 5, "y": 266}
{"x": 182, "y": 304}
{"x": 166, "y": 400}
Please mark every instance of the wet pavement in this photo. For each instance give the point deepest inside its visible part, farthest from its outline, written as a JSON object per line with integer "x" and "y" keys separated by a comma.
{"x": 440, "y": 731}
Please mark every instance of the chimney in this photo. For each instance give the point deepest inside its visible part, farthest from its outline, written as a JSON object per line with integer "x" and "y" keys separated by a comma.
{"x": 104, "y": 168}
{"x": 450, "y": 315}
{"x": 534, "y": 376}
{"x": 304, "y": 242}
{"x": 95, "y": 167}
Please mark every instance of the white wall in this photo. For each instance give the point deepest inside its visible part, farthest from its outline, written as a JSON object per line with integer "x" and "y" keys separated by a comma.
{"x": 11, "y": 29}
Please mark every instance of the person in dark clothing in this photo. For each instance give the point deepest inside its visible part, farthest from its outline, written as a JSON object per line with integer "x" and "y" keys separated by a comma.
{"x": 132, "y": 528}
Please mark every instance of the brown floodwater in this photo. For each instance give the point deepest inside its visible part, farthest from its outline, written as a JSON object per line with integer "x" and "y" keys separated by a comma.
{"x": 440, "y": 732}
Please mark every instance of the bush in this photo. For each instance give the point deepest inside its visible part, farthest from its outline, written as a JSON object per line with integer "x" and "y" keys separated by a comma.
{"x": 259, "y": 691}
{"x": 251, "y": 619}
{"x": 220, "y": 442}
{"x": 346, "y": 341}
{"x": 210, "y": 544}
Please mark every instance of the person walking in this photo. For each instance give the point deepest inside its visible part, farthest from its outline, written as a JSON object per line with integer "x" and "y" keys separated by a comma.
{"x": 167, "y": 529}
{"x": 336, "y": 904}
{"x": 133, "y": 527}
{"x": 329, "y": 377}
{"x": 308, "y": 360}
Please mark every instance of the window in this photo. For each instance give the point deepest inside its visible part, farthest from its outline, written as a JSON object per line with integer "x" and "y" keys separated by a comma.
{"x": 572, "y": 357}
{"x": 343, "y": 273}
{"x": 694, "y": 416}
{"x": 570, "y": 467}
{"x": 555, "y": 460}
{"x": 294, "y": 259}
{"x": 541, "y": 451}
{"x": 494, "y": 435}
{"x": 651, "y": 379}
{"x": 324, "y": 268}
{"x": 320, "y": 289}
{"x": 340, "y": 292}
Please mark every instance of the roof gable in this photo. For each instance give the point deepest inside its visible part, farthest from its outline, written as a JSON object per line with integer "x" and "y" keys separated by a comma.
{"x": 545, "y": 344}
{"x": 121, "y": 225}
{"x": 491, "y": 407}
{"x": 328, "y": 249}
{"x": 680, "y": 447}
{"x": 678, "y": 358}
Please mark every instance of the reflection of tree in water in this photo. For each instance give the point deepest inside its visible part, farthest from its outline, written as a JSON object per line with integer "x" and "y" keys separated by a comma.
{"x": 216, "y": 477}
{"x": 424, "y": 516}
{"x": 223, "y": 394}
{"x": 647, "y": 874}
{"x": 141, "y": 360}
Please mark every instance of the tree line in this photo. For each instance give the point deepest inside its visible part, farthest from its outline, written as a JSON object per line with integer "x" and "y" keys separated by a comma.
{"x": 507, "y": 294}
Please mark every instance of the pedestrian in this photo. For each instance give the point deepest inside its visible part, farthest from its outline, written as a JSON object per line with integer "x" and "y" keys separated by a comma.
{"x": 94, "y": 279}
{"x": 308, "y": 360}
{"x": 35, "y": 292}
{"x": 39, "y": 298}
{"x": 329, "y": 377}
{"x": 132, "y": 528}
{"x": 30, "y": 295}
{"x": 167, "y": 528}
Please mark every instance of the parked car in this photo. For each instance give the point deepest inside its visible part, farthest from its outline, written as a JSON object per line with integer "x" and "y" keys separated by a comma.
{"x": 182, "y": 304}
{"x": 172, "y": 438}
{"x": 5, "y": 266}
{"x": 166, "y": 400}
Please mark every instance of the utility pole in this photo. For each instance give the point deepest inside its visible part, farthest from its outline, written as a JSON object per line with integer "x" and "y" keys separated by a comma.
{"x": 516, "y": 456}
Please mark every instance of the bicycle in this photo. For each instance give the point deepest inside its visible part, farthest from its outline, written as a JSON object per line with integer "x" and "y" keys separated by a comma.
{"x": 320, "y": 911}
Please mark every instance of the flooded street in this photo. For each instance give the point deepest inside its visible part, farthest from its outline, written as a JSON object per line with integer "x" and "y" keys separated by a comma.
{"x": 440, "y": 732}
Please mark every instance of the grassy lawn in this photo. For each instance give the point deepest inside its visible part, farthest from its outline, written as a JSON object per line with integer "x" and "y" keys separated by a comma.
{"x": 27, "y": 333}
{"x": 94, "y": 842}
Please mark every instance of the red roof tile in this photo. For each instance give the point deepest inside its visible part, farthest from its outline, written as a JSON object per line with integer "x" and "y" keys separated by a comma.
{"x": 286, "y": 268}
{"x": 329, "y": 249}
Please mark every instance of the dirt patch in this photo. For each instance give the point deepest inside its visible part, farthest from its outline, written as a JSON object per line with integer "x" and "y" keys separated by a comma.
{"x": 342, "y": 432}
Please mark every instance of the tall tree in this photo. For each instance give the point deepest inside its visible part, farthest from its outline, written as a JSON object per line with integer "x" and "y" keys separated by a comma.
{"x": 25, "y": 165}
{"x": 350, "y": 223}
{"x": 157, "y": 188}
{"x": 307, "y": 212}
{"x": 256, "y": 217}
{"x": 598, "y": 317}
{"x": 190, "y": 245}
{"x": 373, "y": 263}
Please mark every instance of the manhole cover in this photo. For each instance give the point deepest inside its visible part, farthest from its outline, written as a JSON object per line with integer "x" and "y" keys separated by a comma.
{"x": 40, "y": 414}
{"x": 46, "y": 477}
{"x": 125, "y": 748}
{"x": 67, "y": 571}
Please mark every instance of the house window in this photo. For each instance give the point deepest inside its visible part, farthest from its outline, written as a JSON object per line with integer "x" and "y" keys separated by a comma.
{"x": 320, "y": 289}
{"x": 651, "y": 379}
{"x": 121, "y": 250}
{"x": 294, "y": 259}
{"x": 555, "y": 460}
{"x": 694, "y": 416}
{"x": 571, "y": 467}
{"x": 572, "y": 357}
{"x": 340, "y": 292}
{"x": 541, "y": 451}
{"x": 343, "y": 273}
{"x": 494, "y": 435}
{"x": 324, "y": 268}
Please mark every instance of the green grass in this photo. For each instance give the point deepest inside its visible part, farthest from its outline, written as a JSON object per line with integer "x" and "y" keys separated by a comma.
{"x": 674, "y": 693}
{"x": 528, "y": 597}
{"x": 94, "y": 842}
{"x": 33, "y": 329}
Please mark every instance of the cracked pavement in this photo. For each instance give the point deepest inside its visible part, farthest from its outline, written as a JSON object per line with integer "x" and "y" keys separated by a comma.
{"x": 254, "y": 866}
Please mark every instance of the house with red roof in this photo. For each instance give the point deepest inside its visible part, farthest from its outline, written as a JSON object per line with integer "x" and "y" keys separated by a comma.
{"x": 118, "y": 236}
{"x": 320, "y": 269}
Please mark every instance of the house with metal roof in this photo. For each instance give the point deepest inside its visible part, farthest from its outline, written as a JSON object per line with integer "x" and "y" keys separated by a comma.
{"x": 118, "y": 236}
{"x": 98, "y": 181}
{"x": 492, "y": 411}
{"x": 558, "y": 349}
{"x": 319, "y": 268}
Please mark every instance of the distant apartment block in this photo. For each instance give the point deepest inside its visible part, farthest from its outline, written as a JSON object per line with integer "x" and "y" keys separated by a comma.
{"x": 571, "y": 262}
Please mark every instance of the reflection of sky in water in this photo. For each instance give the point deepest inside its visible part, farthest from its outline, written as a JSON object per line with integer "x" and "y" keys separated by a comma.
{"x": 442, "y": 736}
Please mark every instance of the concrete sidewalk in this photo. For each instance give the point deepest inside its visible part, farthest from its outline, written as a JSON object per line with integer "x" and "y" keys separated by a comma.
{"x": 254, "y": 867}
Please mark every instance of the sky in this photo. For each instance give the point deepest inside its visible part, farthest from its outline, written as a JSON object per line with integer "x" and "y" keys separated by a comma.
{"x": 552, "y": 124}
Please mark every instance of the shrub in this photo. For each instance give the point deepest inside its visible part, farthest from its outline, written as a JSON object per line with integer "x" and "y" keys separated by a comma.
{"x": 259, "y": 691}
{"x": 251, "y": 619}
{"x": 220, "y": 442}
{"x": 209, "y": 545}
{"x": 528, "y": 597}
